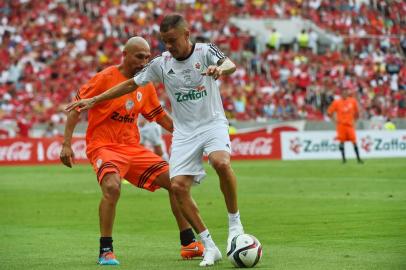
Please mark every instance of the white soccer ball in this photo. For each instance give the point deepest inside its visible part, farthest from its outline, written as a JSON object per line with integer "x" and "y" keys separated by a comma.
{"x": 245, "y": 251}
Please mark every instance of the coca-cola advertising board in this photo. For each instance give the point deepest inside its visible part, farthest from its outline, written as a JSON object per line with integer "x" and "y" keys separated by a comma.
{"x": 263, "y": 143}
{"x": 38, "y": 151}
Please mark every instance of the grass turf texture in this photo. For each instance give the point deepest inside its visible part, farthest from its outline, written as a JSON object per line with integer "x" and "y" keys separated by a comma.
{"x": 307, "y": 214}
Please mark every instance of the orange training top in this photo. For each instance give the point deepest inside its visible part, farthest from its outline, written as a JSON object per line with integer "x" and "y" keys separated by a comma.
{"x": 114, "y": 122}
{"x": 346, "y": 110}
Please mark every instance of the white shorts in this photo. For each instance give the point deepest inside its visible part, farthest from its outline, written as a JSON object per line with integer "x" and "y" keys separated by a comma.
{"x": 151, "y": 134}
{"x": 187, "y": 154}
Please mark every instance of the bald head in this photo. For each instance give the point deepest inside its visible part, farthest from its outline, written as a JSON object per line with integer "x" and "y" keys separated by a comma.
{"x": 136, "y": 55}
{"x": 136, "y": 43}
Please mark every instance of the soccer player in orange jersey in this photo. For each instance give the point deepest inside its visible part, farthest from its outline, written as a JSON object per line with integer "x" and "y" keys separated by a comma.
{"x": 113, "y": 147}
{"x": 346, "y": 110}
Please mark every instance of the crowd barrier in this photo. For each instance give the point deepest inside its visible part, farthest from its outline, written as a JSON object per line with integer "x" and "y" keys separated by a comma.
{"x": 284, "y": 142}
{"x": 263, "y": 143}
{"x": 33, "y": 151}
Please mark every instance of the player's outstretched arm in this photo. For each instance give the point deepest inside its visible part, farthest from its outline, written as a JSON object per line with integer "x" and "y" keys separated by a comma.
{"x": 166, "y": 122}
{"x": 67, "y": 156}
{"x": 115, "y": 92}
{"x": 227, "y": 67}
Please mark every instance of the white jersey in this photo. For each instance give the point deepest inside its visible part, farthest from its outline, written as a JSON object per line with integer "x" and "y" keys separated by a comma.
{"x": 150, "y": 133}
{"x": 195, "y": 98}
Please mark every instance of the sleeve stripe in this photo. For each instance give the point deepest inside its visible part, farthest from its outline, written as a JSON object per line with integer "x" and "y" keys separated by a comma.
{"x": 214, "y": 47}
{"x": 153, "y": 113}
{"x": 150, "y": 117}
{"x": 215, "y": 54}
{"x": 78, "y": 95}
{"x": 216, "y": 51}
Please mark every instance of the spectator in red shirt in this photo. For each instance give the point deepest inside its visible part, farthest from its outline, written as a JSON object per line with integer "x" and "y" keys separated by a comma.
{"x": 24, "y": 127}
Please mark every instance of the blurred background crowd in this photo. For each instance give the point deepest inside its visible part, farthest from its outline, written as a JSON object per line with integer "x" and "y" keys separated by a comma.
{"x": 49, "y": 48}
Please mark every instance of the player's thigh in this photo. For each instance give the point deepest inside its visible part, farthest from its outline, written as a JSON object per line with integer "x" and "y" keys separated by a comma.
{"x": 163, "y": 181}
{"x": 217, "y": 140}
{"x": 186, "y": 157}
{"x": 109, "y": 160}
{"x": 145, "y": 167}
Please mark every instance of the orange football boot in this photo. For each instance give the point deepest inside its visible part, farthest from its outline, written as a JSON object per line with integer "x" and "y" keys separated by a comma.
{"x": 108, "y": 258}
{"x": 194, "y": 249}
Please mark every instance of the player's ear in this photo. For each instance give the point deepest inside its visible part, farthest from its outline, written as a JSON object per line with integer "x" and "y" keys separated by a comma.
{"x": 187, "y": 34}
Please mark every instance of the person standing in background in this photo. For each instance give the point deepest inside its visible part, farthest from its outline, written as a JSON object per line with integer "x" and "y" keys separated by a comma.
{"x": 346, "y": 113}
{"x": 151, "y": 136}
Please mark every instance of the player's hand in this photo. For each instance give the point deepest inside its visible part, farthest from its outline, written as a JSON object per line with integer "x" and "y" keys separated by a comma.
{"x": 83, "y": 104}
{"x": 213, "y": 71}
{"x": 67, "y": 156}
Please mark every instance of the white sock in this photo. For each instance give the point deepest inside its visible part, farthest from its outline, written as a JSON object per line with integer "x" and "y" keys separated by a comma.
{"x": 206, "y": 239}
{"x": 234, "y": 220}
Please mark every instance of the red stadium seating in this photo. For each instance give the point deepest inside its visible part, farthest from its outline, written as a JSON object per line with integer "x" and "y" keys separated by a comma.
{"x": 49, "y": 48}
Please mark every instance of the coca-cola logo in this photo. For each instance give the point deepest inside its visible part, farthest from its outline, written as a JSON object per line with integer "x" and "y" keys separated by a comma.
{"x": 78, "y": 148}
{"x": 260, "y": 146}
{"x": 53, "y": 151}
{"x": 16, "y": 151}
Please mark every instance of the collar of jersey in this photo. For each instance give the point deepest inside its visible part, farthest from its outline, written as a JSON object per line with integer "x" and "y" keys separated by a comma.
{"x": 191, "y": 52}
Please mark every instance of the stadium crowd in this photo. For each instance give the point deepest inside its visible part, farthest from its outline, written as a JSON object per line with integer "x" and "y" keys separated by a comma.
{"x": 51, "y": 47}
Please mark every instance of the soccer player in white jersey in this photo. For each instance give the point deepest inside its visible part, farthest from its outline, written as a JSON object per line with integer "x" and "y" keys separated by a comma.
{"x": 189, "y": 73}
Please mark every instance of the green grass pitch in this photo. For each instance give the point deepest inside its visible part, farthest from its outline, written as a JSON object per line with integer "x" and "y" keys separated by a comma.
{"x": 307, "y": 214}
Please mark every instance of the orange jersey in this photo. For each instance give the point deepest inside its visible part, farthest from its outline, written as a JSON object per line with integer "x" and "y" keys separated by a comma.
{"x": 346, "y": 110}
{"x": 114, "y": 122}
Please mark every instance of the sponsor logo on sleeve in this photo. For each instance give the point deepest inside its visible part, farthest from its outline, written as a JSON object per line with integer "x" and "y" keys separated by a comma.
{"x": 139, "y": 96}
{"x": 129, "y": 104}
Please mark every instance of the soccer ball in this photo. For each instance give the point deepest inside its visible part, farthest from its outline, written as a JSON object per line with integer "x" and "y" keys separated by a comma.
{"x": 245, "y": 251}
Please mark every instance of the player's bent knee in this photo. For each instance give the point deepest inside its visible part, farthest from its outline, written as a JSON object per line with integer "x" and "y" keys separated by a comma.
{"x": 111, "y": 187}
{"x": 112, "y": 192}
{"x": 221, "y": 164}
{"x": 179, "y": 188}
